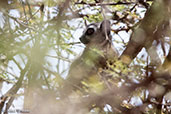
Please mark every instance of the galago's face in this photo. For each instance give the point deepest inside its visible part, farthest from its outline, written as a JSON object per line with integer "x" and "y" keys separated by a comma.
{"x": 96, "y": 33}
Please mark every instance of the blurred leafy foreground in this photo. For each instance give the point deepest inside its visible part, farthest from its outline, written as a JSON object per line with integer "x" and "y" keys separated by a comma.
{"x": 40, "y": 39}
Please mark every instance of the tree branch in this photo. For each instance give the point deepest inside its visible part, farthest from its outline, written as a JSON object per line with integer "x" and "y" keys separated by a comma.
{"x": 147, "y": 31}
{"x": 104, "y": 4}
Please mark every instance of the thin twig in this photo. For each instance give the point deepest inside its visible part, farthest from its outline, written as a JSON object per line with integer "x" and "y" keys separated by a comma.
{"x": 104, "y": 4}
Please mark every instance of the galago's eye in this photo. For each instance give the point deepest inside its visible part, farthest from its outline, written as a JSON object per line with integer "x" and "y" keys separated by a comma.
{"x": 90, "y": 31}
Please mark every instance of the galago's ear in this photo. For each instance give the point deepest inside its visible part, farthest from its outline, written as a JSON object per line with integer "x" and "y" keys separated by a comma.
{"x": 105, "y": 27}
